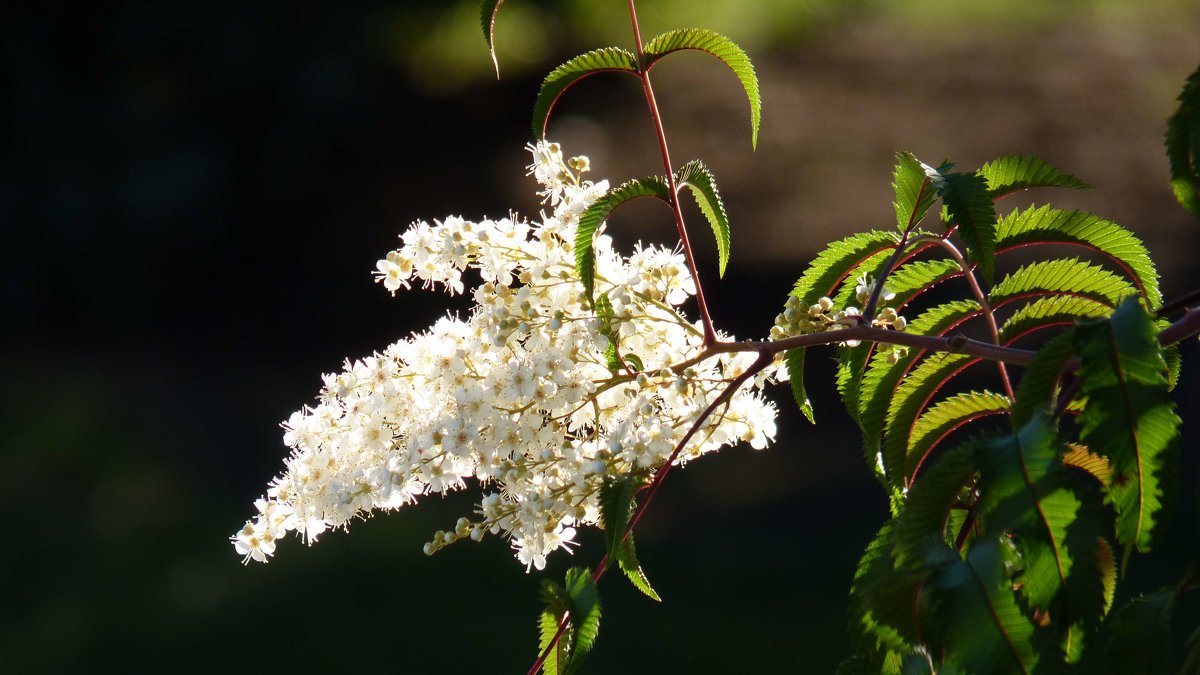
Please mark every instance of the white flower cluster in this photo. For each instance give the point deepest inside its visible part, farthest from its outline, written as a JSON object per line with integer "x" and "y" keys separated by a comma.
{"x": 535, "y": 396}
{"x": 821, "y": 317}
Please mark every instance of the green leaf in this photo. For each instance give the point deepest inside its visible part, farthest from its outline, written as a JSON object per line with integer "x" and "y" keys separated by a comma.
{"x": 557, "y": 603}
{"x": 914, "y": 191}
{"x": 882, "y": 599}
{"x": 590, "y": 219}
{"x": 1062, "y": 277}
{"x": 1079, "y": 457}
{"x": 1045, "y": 225}
{"x": 585, "y": 615}
{"x": 606, "y": 60}
{"x": 1024, "y": 491}
{"x": 724, "y": 49}
{"x": 945, "y": 417}
{"x": 1048, "y": 312}
{"x": 838, "y": 261}
{"x": 930, "y": 500}
{"x": 604, "y": 310}
{"x": 1038, "y": 389}
{"x": 794, "y": 358}
{"x": 978, "y": 621}
{"x": 1141, "y": 635}
{"x": 1183, "y": 146}
{"x": 969, "y": 205}
{"x": 699, "y": 179}
{"x": 616, "y": 507}
{"x": 1020, "y": 172}
{"x": 1129, "y": 418}
{"x": 882, "y": 376}
{"x": 906, "y": 405}
{"x": 487, "y": 17}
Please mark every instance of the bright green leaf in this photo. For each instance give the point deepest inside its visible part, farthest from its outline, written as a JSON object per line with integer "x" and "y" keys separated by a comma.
{"x": 487, "y": 17}
{"x": 725, "y": 50}
{"x": 1038, "y": 389}
{"x": 1011, "y": 173}
{"x": 1062, "y": 277}
{"x": 695, "y": 176}
{"x": 1183, "y": 146}
{"x": 585, "y": 615}
{"x": 914, "y": 191}
{"x": 910, "y": 399}
{"x": 794, "y": 358}
{"x": 590, "y": 219}
{"x": 838, "y": 261}
{"x": 970, "y": 207}
{"x": 606, "y": 60}
{"x": 943, "y": 418}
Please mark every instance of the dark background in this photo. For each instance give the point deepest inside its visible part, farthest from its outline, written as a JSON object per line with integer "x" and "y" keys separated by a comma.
{"x": 193, "y": 196}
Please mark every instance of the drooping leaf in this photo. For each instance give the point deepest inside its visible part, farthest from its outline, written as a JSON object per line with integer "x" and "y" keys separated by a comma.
{"x": 487, "y": 17}
{"x": 1062, "y": 277}
{"x": 882, "y": 598}
{"x": 1048, "y": 312}
{"x": 910, "y": 399}
{"x": 794, "y": 358}
{"x": 883, "y": 375}
{"x": 1037, "y": 391}
{"x": 914, "y": 191}
{"x": 978, "y": 622}
{"x": 557, "y": 603}
{"x": 969, "y": 206}
{"x": 930, "y": 500}
{"x": 695, "y": 176}
{"x": 1141, "y": 635}
{"x": 604, "y": 311}
{"x": 1045, "y": 225}
{"x": 1129, "y": 418}
{"x": 1025, "y": 492}
{"x": 838, "y": 261}
{"x": 585, "y": 616}
{"x": 616, "y": 507}
{"x": 1183, "y": 146}
{"x": 725, "y": 50}
{"x": 590, "y": 219}
{"x": 945, "y": 417}
{"x": 1011, "y": 173}
{"x": 605, "y": 60}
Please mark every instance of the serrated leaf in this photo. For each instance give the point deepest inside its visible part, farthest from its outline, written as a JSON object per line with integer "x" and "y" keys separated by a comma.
{"x": 557, "y": 602}
{"x": 616, "y": 507}
{"x": 1106, "y": 562}
{"x": 910, "y": 399}
{"x": 725, "y": 50}
{"x": 913, "y": 189}
{"x": 1183, "y": 146}
{"x": 585, "y": 616}
{"x": 1140, "y": 641}
{"x": 838, "y": 261}
{"x": 882, "y": 376}
{"x": 628, "y": 562}
{"x": 1049, "y": 312}
{"x": 794, "y": 359}
{"x": 1079, "y": 457}
{"x": 1011, "y": 173}
{"x": 1037, "y": 391}
{"x": 1025, "y": 492}
{"x": 590, "y": 219}
{"x": 695, "y": 176}
{"x": 882, "y": 599}
{"x": 605, "y": 60}
{"x": 970, "y": 207}
{"x": 1045, "y": 225}
{"x": 604, "y": 311}
{"x": 930, "y": 500}
{"x": 1129, "y": 418}
{"x": 978, "y": 622}
{"x": 1062, "y": 277}
{"x": 487, "y": 17}
{"x": 945, "y": 417}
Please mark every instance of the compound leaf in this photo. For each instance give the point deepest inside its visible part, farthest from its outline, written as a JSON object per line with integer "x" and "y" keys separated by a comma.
{"x": 969, "y": 206}
{"x": 914, "y": 191}
{"x": 695, "y": 176}
{"x": 590, "y": 219}
{"x": 605, "y": 60}
{"x": 1011, "y": 173}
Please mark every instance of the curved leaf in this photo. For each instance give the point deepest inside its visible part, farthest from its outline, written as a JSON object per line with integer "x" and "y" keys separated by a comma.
{"x": 914, "y": 191}
{"x": 605, "y": 60}
{"x": 1056, "y": 310}
{"x": 590, "y": 219}
{"x": 838, "y": 261}
{"x": 883, "y": 598}
{"x": 1063, "y": 277}
{"x": 883, "y": 375}
{"x": 794, "y": 359}
{"x": 911, "y": 396}
{"x": 1079, "y": 457}
{"x": 929, "y": 501}
{"x": 699, "y": 179}
{"x": 1129, "y": 417}
{"x": 704, "y": 40}
{"x": 1011, "y": 173}
{"x": 584, "y": 606}
{"x": 1183, "y": 146}
{"x": 979, "y": 623}
{"x": 616, "y": 507}
{"x": 1045, "y": 225}
{"x": 944, "y": 418}
{"x": 487, "y": 17}
{"x": 969, "y": 206}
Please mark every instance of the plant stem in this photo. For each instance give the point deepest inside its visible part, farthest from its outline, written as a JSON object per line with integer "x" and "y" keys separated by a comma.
{"x": 643, "y": 74}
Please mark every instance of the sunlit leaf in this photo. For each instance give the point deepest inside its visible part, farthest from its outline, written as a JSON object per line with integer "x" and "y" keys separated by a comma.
{"x": 606, "y": 60}
{"x": 1019, "y": 172}
{"x": 697, "y": 178}
{"x": 913, "y": 189}
{"x": 1183, "y": 146}
{"x": 590, "y": 219}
